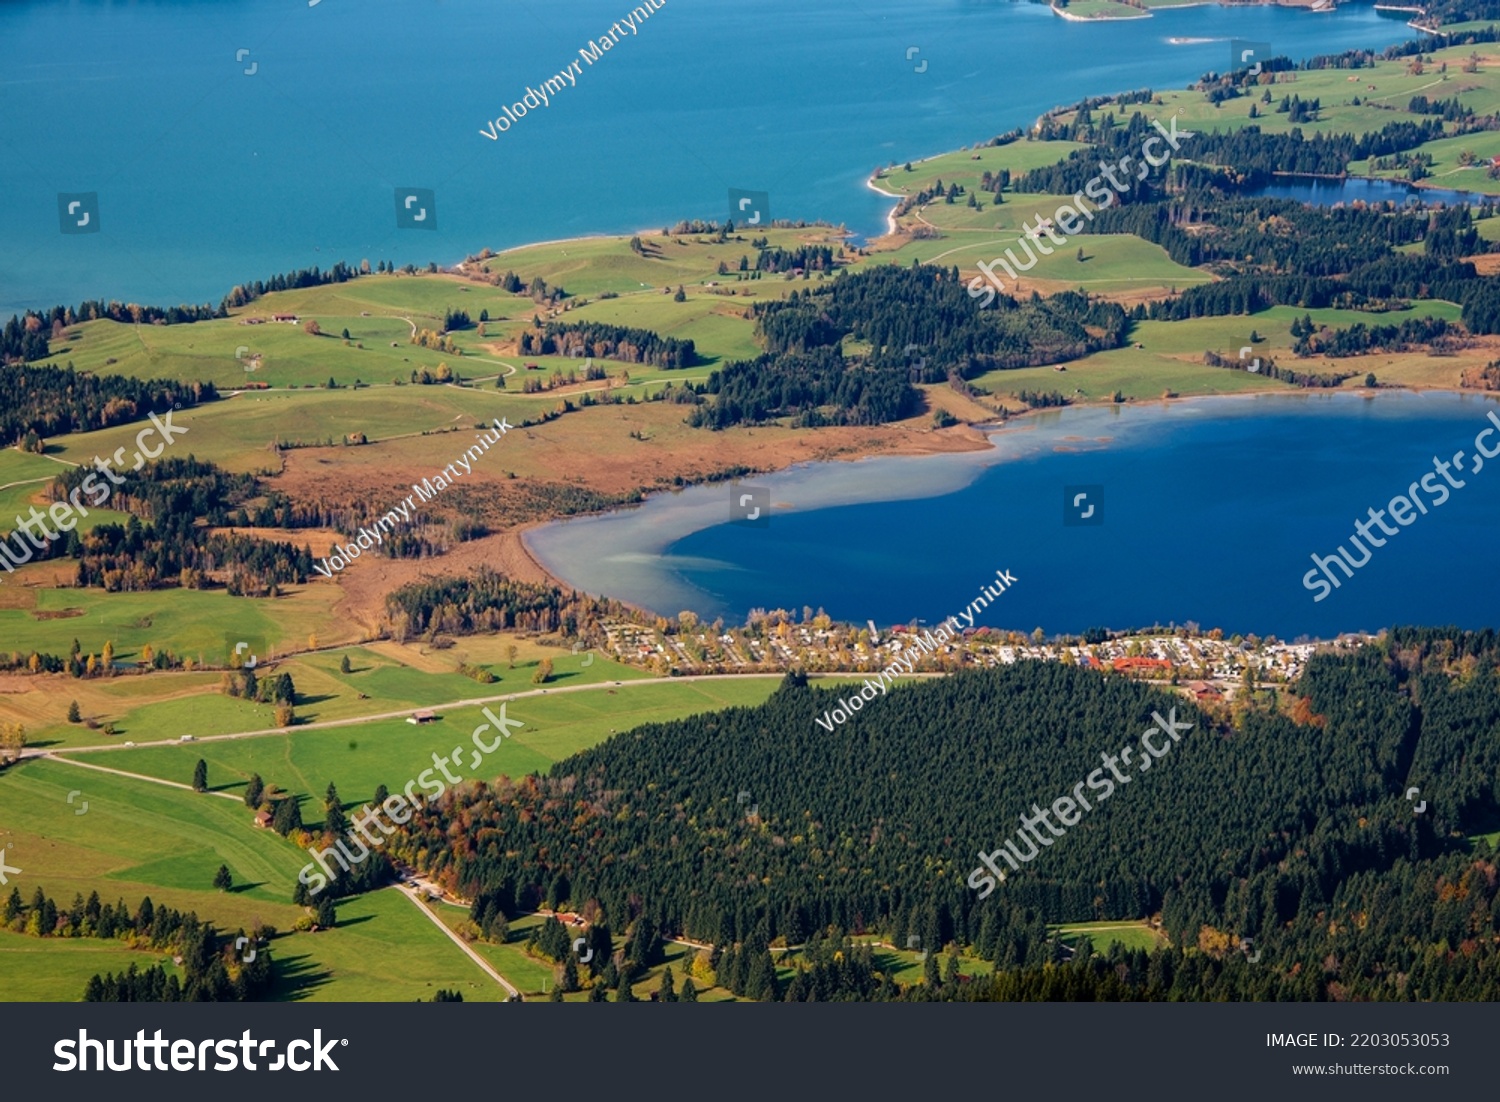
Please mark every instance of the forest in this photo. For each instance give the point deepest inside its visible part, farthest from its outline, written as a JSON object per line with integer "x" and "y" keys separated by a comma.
{"x": 489, "y": 601}
{"x": 924, "y": 327}
{"x": 1284, "y": 822}
{"x": 45, "y": 401}
{"x": 162, "y": 543}
{"x": 615, "y": 342}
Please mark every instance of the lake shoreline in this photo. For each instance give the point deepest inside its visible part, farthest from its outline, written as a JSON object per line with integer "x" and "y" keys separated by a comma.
{"x": 679, "y": 551}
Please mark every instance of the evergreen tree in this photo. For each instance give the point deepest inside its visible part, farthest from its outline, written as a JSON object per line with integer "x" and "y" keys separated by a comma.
{"x": 667, "y": 992}
{"x": 344, "y": 666}
{"x": 689, "y": 993}
{"x": 74, "y": 716}
{"x": 287, "y": 817}
{"x": 326, "y": 917}
{"x": 334, "y": 819}
{"x": 200, "y": 776}
{"x": 255, "y": 791}
{"x": 222, "y": 880}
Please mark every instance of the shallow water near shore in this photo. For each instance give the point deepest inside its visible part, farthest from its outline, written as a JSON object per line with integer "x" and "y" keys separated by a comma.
{"x": 1211, "y": 510}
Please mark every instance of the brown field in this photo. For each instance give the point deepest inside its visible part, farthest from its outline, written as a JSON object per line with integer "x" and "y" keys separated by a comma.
{"x": 590, "y": 448}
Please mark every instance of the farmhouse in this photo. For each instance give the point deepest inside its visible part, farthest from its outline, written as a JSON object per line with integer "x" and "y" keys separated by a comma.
{"x": 424, "y": 716}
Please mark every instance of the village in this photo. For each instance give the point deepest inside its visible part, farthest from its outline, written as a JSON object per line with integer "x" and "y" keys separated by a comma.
{"x": 1206, "y": 665}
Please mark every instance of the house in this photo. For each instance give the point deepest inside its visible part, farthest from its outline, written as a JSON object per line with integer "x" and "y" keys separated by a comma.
{"x": 1121, "y": 664}
{"x": 424, "y": 716}
{"x": 1204, "y": 693}
{"x": 263, "y": 819}
{"x": 290, "y": 319}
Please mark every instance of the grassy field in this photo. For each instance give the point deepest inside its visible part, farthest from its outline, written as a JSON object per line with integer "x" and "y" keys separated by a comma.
{"x": 391, "y": 752}
{"x": 195, "y": 623}
{"x": 127, "y": 839}
{"x": 1170, "y": 357}
{"x": 1103, "y": 9}
{"x": 1446, "y": 170}
{"x": 380, "y": 313}
{"x": 383, "y": 949}
{"x": 1133, "y": 935}
{"x": 1113, "y": 264}
{"x": 1383, "y": 91}
{"x": 56, "y": 970}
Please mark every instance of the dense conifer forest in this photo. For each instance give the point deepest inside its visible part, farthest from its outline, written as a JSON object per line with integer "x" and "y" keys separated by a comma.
{"x": 43, "y": 401}
{"x": 923, "y": 325}
{"x": 1285, "y": 823}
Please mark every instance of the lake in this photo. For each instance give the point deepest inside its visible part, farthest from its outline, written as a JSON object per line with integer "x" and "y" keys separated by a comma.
{"x": 230, "y": 141}
{"x": 1211, "y": 509}
{"x": 1320, "y": 191}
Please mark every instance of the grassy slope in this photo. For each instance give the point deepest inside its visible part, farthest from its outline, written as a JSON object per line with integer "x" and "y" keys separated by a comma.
{"x": 138, "y": 838}
{"x": 392, "y": 752}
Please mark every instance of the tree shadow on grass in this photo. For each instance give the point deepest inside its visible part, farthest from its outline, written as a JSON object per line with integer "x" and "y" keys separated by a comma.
{"x": 297, "y": 978}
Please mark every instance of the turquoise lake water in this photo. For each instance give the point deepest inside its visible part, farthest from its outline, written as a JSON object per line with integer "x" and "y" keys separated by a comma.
{"x": 1211, "y": 510}
{"x": 207, "y": 175}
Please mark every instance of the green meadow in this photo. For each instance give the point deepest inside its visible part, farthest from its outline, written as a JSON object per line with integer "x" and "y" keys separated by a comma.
{"x": 383, "y": 949}
{"x": 1170, "y": 355}
{"x": 193, "y": 623}
{"x": 56, "y": 970}
{"x": 1132, "y": 935}
{"x": 392, "y": 752}
{"x": 127, "y": 838}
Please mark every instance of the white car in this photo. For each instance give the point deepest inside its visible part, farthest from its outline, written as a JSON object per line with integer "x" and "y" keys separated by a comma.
{"x": 187, "y": 738}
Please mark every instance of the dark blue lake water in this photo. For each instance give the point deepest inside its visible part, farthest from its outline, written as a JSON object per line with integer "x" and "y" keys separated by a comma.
{"x": 229, "y": 141}
{"x": 1325, "y": 193}
{"x": 1211, "y": 510}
